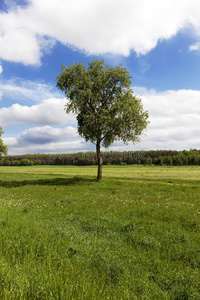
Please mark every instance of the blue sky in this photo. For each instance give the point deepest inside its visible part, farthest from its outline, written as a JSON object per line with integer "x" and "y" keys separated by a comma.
{"x": 158, "y": 41}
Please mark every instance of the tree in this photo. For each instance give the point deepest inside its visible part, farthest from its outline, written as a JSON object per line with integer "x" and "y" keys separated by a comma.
{"x": 3, "y": 148}
{"x": 102, "y": 99}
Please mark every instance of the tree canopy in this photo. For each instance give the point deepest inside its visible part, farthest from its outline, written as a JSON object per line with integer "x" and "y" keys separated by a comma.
{"x": 103, "y": 101}
{"x": 3, "y": 148}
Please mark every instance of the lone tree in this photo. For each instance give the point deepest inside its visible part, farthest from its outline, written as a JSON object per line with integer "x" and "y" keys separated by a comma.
{"x": 102, "y": 99}
{"x": 3, "y": 148}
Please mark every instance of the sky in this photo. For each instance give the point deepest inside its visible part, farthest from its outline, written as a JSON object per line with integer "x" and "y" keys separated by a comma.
{"x": 158, "y": 41}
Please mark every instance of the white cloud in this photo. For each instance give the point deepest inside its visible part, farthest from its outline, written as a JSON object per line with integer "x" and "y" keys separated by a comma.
{"x": 174, "y": 119}
{"x": 174, "y": 124}
{"x": 45, "y": 140}
{"x": 19, "y": 45}
{"x": 20, "y": 38}
{"x": 46, "y": 135}
{"x": 18, "y": 89}
{"x": 59, "y": 147}
{"x": 195, "y": 47}
{"x": 48, "y": 112}
{"x": 1, "y": 71}
{"x": 171, "y": 103}
{"x": 95, "y": 26}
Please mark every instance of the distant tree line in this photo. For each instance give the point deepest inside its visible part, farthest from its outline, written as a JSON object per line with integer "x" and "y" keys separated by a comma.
{"x": 154, "y": 157}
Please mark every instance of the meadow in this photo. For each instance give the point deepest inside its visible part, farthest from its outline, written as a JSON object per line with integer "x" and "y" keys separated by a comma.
{"x": 133, "y": 235}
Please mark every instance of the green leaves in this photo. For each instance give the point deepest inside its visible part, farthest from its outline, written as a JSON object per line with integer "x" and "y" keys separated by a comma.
{"x": 103, "y": 101}
{"x": 3, "y": 148}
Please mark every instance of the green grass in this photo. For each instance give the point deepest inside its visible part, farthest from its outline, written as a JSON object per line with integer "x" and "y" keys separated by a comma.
{"x": 133, "y": 235}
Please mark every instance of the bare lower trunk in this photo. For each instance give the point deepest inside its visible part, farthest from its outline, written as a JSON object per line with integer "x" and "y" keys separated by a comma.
{"x": 100, "y": 161}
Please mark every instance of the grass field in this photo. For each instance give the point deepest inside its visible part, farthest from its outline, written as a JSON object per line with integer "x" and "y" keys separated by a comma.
{"x": 133, "y": 235}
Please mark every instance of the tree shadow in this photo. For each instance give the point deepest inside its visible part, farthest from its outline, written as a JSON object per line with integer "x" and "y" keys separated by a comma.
{"x": 51, "y": 182}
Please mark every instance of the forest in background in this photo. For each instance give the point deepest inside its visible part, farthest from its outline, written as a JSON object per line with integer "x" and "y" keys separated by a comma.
{"x": 155, "y": 157}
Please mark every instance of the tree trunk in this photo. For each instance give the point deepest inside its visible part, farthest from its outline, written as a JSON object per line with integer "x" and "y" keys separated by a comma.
{"x": 100, "y": 161}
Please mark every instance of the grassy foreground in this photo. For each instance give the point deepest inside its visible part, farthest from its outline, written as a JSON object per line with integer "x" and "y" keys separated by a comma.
{"x": 133, "y": 235}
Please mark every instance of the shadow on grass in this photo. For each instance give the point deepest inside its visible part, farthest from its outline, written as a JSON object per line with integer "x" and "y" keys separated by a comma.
{"x": 51, "y": 182}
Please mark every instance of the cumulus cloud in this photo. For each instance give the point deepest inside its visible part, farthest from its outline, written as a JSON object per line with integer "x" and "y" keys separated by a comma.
{"x": 174, "y": 119}
{"x": 48, "y": 112}
{"x": 1, "y": 70}
{"x": 195, "y": 47}
{"x": 95, "y": 26}
{"x": 45, "y": 139}
{"x": 19, "y": 89}
{"x": 174, "y": 124}
{"x": 171, "y": 103}
{"x": 35, "y": 141}
{"x": 59, "y": 147}
{"x": 46, "y": 134}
